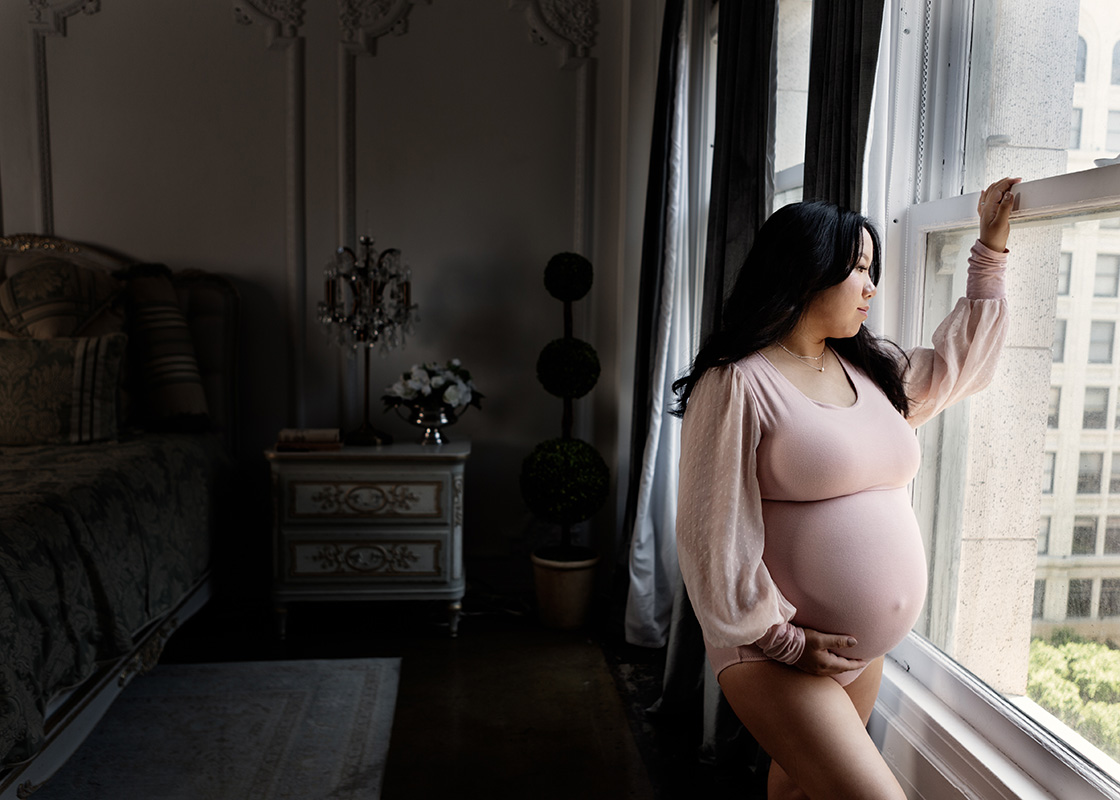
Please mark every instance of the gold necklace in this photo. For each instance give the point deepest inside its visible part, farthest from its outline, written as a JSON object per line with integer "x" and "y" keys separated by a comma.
{"x": 806, "y": 359}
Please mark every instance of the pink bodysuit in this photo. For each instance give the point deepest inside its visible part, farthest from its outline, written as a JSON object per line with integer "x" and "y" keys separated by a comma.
{"x": 796, "y": 511}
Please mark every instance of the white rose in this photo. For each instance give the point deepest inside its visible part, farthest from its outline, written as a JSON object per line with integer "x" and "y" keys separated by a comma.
{"x": 438, "y": 381}
{"x": 452, "y": 395}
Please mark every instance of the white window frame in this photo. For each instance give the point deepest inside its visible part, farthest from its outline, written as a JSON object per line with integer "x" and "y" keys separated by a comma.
{"x": 945, "y": 732}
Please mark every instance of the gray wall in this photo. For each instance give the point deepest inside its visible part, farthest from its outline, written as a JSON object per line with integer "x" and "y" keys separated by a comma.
{"x": 170, "y": 136}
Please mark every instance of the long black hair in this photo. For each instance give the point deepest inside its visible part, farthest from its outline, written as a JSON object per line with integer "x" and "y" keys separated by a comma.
{"x": 799, "y": 251}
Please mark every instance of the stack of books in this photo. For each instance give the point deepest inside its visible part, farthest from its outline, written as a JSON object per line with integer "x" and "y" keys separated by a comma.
{"x": 306, "y": 439}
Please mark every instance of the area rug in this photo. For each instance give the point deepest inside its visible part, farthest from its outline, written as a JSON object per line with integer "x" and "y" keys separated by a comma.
{"x": 242, "y": 731}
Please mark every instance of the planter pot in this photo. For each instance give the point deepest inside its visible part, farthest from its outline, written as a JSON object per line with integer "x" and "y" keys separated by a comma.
{"x": 565, "y": 583}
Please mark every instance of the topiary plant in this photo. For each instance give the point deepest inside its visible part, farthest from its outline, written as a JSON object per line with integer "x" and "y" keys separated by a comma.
{"x": 565, "y": 481}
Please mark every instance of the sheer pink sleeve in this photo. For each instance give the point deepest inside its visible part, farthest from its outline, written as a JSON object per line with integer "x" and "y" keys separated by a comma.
{"x": 966, "y": 345}
{"x": 719, "y": 520}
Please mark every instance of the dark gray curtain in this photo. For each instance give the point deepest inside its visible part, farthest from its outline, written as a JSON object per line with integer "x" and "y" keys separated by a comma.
{"x": 742, "y": 165}
{"x": 653, "y": 248}
{"x": 841, "y": 77}
{"x": 742, "y": 187}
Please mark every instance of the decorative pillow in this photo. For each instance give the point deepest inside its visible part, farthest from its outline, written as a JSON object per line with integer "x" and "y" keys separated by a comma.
{"x": 56, "y": 298}
{"x": 168, "y": 390}
{"x": 59, "y": 391}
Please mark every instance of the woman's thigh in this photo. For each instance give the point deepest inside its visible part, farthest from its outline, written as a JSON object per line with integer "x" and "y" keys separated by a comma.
{"x": 811, "y": 726}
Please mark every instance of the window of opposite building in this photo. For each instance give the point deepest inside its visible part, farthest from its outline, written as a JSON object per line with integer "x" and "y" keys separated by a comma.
{"x": 1080, "y": 598}
{"x": 1089, "y": 468}
{"x": 1114, "y": 475}
{"x": 1112, "y": 535}
{"x": 1108, "y": 273}
{"x": 1095, "y": 411}
{"x": 1112, "y": 137}
{"x": 1039, "y": 599}
{"x": 1084, "y": 536}
{"x": 1110, "y": 598}
{"x": 1101, "y": 335}
{"x": 1054, "y": 407}
{"x": 1044, "y": 536}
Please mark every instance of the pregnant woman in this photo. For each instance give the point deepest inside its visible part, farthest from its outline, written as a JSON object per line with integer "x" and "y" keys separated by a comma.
{"x": 797, "y": 541}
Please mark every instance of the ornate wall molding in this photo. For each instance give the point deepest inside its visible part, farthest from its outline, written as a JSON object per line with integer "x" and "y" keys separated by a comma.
{"x": 280, "y": 18}
{"x": 363, "y": 22}
{"x": 48, "y": 17}
{"x": 566, "y": 24}
{"x": 281, "y": 21}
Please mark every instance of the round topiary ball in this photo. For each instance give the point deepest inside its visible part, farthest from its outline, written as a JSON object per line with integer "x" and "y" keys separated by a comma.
{"x": 568, "y": 367}
{"x": 564, "y": 481}
{"x": 568, "y": 276}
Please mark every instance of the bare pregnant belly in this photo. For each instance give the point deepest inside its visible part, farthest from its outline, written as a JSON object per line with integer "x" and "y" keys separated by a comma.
{"x": 851, "y": 565}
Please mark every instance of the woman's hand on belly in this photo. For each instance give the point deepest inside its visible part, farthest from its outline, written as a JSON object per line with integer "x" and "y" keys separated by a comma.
{"x": 819, "y": 658}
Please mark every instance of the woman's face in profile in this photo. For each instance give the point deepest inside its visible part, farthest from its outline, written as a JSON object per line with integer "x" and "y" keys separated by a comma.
{"x": 838, "y": 311}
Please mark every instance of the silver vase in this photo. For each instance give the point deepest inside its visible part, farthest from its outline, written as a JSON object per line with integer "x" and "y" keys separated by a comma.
{"x": 432, "y": 420}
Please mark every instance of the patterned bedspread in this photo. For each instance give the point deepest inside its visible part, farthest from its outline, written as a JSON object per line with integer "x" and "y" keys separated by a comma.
{"x": 95, "y": 541}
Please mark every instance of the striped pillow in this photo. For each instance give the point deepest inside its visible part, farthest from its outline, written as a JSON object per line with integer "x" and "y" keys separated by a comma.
{"x": 55, "y": 297}
{"x": 170, "y": 390}
{"x": 59, "y": 391}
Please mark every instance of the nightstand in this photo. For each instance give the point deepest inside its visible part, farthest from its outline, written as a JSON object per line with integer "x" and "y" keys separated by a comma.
{"x": 368, "y": 523}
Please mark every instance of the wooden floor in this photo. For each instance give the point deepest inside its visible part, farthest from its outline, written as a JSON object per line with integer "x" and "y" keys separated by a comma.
{"x": 508, "y": 709}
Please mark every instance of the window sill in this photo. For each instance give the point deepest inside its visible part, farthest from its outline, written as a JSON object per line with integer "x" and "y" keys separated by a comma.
{"x": 947, "y": 734}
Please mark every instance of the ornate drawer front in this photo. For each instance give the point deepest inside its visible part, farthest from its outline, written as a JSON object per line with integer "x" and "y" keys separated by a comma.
{"x": 419, "y": 499}
{"x": 411, "y": 559}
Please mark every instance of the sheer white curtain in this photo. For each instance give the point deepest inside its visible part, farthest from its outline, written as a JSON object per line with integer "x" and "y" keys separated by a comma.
{"x": 653, "y": 543}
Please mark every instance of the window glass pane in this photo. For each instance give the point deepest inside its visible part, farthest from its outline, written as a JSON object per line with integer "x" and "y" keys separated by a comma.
{"x": 1095, "y": 412}
{"x": 1084, "y": 536}
{"x": 1116, "y": 64}
{"x": 1065, "y": 264}
{"x": 1114, "y": 475}
{"x": 1039, "y": 598}
{"x": 1089, "y": 466}
{"x": 1108, "y": 269}
{"x": 1082, "y": 57}
{"x": 791, "y": 98}
{"x": 1055, "y": 405}
{"x": 1080, "y": 597}
{"x": 1101, "y": 334}
{"x": 1048, "y": 473}
{"x": 1112, "y": 536}
{"x": 1075, "y": 130}
{"x": 1112, "y": 139}
{"x": 1110, "y": 597}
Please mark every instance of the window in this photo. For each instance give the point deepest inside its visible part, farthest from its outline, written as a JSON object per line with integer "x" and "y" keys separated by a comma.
{"x": 1043, "y": 536}
{"x": 1059, "y": 347}
{"x": 1080, "y": 597}
{"x": 1095, "y": 412}
{"x": 1101, "y": 334}
{"x": 1065, "y": 265}
{"x": 1089, "y": 467}
{"x": 1082, "y": 57}
{"x": 1055, "y": 406}
{"x": 1112, "y": 137}
{"x": 962, "y": 461}
{"x": 1112, "y": 536}
{"x": 1108, "y": 271}
{"x": 1114, "y": 475}
{"x": 1075, "y": 129}
{"x": 1116, "y": 64}
{"x": 1110, "y": 598}
{"x": 1084, "y": 536}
